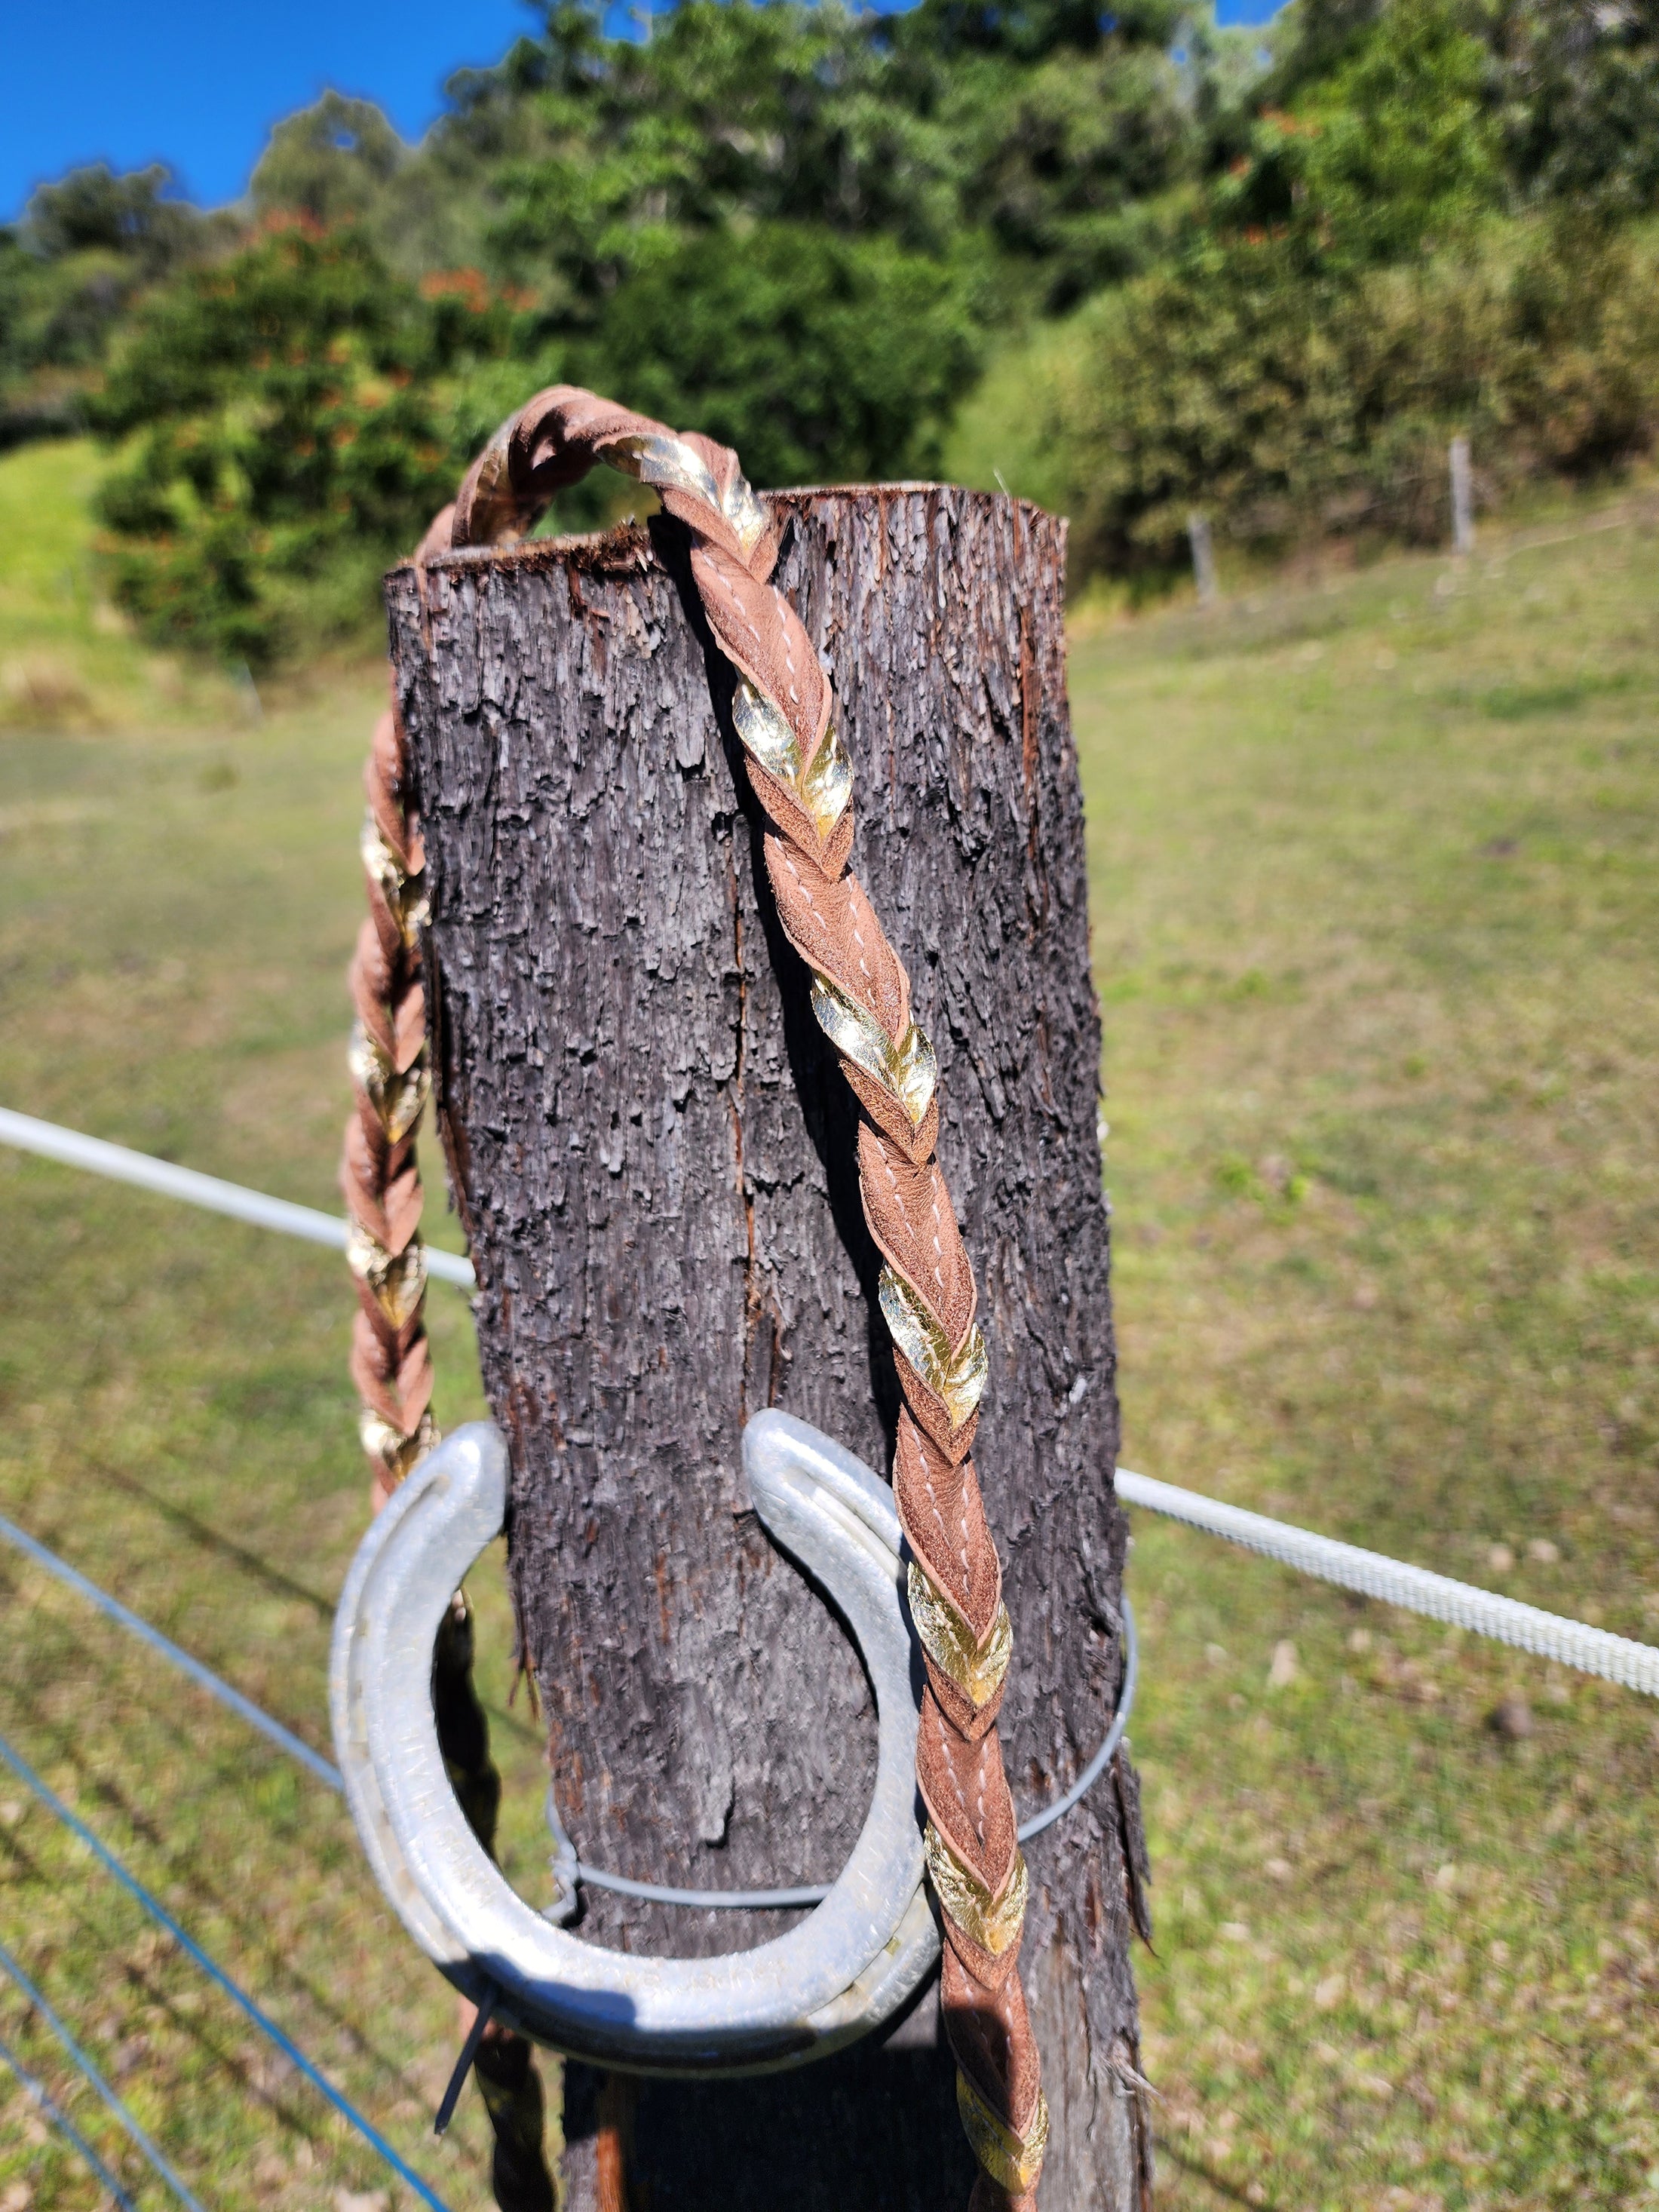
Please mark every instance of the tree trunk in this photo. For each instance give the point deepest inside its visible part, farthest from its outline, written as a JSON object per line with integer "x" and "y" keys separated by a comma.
{"x": 653, "y": 1152}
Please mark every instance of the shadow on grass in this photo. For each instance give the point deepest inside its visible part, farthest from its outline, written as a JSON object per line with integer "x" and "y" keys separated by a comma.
{"x": 209, "y": 1539}
{"x": 186, "y": 1875}
{"x": 212, "y": 2045}
{"x": 274, "y": 1578}
{"x": 1197, "y": 2169}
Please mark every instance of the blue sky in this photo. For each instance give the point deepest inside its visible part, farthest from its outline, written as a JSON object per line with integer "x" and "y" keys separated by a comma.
{"x": 198, "y": 86}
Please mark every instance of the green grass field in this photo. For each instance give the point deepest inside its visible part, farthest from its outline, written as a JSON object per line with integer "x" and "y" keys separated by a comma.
{"x": 1376, "y": 901}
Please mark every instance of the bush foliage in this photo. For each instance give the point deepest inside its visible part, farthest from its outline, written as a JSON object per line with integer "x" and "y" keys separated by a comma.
{"x": 286, "y": 413}
{"x": 811, "y": 353}
{"x": 86, "y": 247}
{"x": 791, "y": 227}
{"x": 1367, "y": 274}
{"x": 1288, "y": 408}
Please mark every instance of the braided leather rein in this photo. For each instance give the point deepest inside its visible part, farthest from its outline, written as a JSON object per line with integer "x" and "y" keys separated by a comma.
{"x": 860, "y": 995}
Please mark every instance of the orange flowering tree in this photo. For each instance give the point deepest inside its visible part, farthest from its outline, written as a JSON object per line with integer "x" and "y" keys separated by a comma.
{"x": 289, "y": 423}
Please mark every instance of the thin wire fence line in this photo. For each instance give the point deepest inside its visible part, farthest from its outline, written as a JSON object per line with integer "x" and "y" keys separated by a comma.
{"x": 71, "y": 1149}
{"x": 568, "y": 1868}
{"x": 89, "y": 2073}
{"x": 1546, "y": 1635}
{"x": 216, "y": 1974}
{"x": 1097, "y": 1766}
{"x": 202, "y": 1676}
{"x": 653, "y": 1893}
{"x": 41, "y": 2098}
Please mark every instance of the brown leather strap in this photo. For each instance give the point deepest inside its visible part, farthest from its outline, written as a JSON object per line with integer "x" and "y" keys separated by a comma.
{"x": 391, "y": 1360}
{"x": 861, "y": 997}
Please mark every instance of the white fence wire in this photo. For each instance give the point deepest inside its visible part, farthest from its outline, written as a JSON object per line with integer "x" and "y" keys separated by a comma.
{"x": 73, "y": 1150}
{"x": 1394, "y": 1582}
{"x": 1415, "y": 1590}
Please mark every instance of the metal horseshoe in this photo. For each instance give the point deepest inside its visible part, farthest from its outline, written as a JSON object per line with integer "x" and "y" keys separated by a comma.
{"x": 835, "y": 1976}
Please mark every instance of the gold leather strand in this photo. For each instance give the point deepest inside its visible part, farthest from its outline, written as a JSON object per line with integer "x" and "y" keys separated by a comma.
{"x": 1013, "y": 2162}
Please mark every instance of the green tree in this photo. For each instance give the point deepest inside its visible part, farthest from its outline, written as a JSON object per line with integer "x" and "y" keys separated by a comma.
{"x": 331, "y": 163}
{"x": 290, "y": 426}
{"x": 1354, "y": 292}
{"x": 731, "y": 113}
{"x": 1029, "y": 136}
{"x": 812, "y": 354}
{"x": 1067, "y": 163}
{"x": 803, "y": 229}
{"x": 87, "y": 246}
{"x": 134, "y": 216}
{"x": 340, "y": 162}
{"x": 1579, "y": 81}
{"x": 1398, "y": 145}
{"x": 1286, "y": 407}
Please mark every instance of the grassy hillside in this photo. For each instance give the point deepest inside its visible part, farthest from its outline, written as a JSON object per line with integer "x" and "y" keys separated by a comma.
{"x": 68, "y": 659}
{"x": 1374, "y": 905}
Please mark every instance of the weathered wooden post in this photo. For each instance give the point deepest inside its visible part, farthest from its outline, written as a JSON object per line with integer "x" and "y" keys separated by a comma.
{"x": 1462, "y": 496}
{"x": 1204, "y": 576}
{"x": 653, "y": 1154}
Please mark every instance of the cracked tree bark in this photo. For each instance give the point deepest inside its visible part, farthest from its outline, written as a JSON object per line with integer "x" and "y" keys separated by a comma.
{"x": 652, "y": 1150}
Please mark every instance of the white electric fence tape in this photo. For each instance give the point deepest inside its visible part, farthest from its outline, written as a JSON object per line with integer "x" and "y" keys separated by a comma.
{"x": 75, "y": 1151}
{"x": 1549, "y": 1634}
